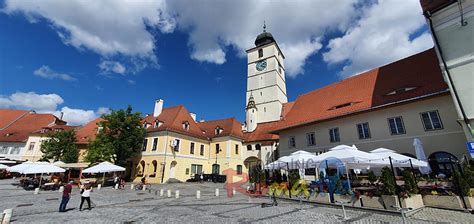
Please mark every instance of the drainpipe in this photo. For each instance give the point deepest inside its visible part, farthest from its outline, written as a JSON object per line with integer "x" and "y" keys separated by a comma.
{"x": 427, "y": 15}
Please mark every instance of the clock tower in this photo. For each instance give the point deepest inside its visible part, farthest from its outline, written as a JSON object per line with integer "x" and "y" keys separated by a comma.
{"x": 266, "y": 78}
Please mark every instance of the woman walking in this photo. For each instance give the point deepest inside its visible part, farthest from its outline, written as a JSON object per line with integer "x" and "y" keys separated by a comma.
{"x": 86, "y": 196}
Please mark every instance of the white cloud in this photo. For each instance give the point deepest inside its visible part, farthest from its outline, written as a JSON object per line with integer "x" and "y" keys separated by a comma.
{"x": 131, "y": 82}
{"x": 48, "y": 103}
{"x": 216, "y": 26}
{"x": 126, "y": 28}
{"x": 381, "y": 36}
{"x": 47, "y": 73}
{"x": 31, "y": 101}
{"x": 108, "y": 67}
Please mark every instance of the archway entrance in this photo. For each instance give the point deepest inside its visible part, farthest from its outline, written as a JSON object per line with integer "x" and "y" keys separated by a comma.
{"x": 442, "y": 162}
{"x": 252, "y": 164}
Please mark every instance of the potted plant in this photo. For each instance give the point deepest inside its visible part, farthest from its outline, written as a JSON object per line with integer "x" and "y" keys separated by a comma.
{"x": 372, "y": 178}
{"x": 409, "y": 196}
{"x": 372, "y": 199}
{"x": 389, "y": 186}
{"x": 448, "y": 199}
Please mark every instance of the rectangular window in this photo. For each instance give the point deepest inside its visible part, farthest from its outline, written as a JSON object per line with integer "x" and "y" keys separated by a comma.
{"x": 32, "y": 146}
{"x": 145, "y": 143}
{"x": 217, "y": 149}
{"x": 310, "y": 139}
{"x": 191, "y": 149}
{"x": 431, "y": 120}
{"x": 196, "y": 169}
{"x": 292, "y": 142}
{"x": 176, "y": 147}
{"x": 334, "y": 135}
{"x": 364, "y": 131}
{"x": 260, "y": 53}
{"x": 155, "y": 144}
{"x": 15, "y": 150}
{"x": 201, "y": 151}
{"x": 3, "y": 150}
{"x": 239, "y": 169}
{"x": 236, "y": 149}
{"x": 396, "y": 126}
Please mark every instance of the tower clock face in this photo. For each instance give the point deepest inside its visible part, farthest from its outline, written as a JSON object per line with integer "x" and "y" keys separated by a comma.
{"x": 261, "y": 65}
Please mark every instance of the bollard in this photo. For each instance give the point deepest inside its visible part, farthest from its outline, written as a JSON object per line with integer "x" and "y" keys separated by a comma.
{"x": 37, "y": 190}
{"x": 169, "y": 193}
{"x": 156, "y": 192}
{"x": 233, "y": 191}
{"x": 61, "y": 189}
{"x": 161, "y": 193}
{"x": 144, "y": 188}
{"x": 99, "y": 186}
{"x": 131, "y": 187}
{"x": 217, "y": 192}
{"x": 198, "y": 194}
{"x": 176, "y": 193}
{"x": 7, "y": 216}
{"x": 116, "y": 186}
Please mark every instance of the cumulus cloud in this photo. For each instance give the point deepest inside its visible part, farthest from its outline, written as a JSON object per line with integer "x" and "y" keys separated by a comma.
{"x": 296, "y": 25}
{"x": 108, "y": 67}
{"x": 31, "y": 101}
{"x": 49, "y": 103}
{"x": 126, "y": 28}
{"x": 381, "y": 36}
{"x": 47, "y": 73}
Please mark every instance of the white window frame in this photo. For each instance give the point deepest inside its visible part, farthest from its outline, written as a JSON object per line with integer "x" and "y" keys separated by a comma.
{"x": 431, "y": 120}
{"x": 310, "y": 139}
{"x": 332, "y": 135}
{"x": 365, "y": 136}
{"x": 397, "y": 129}
{"x": 292, "y": 142}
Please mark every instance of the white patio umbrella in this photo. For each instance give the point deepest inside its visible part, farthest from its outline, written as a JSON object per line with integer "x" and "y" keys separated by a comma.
{"x": 299, "y": 160}
{"x": 420, "y": 154}
{"x": 18, "y": 168}
{"x": 351, "y": 157}
{"x": 104, "y": 167}
{"x": 41, "y": 168}
{"x": 278, "y": 164}
{"x": 399, "y": 160}
{"x": 3, "y": 167}
{"x": 59, "y": 163}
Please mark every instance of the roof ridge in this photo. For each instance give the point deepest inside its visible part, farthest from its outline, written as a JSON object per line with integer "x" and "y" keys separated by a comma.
{"x": 17, "y": 119}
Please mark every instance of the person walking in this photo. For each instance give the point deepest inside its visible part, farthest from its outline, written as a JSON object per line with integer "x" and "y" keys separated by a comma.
{"x": 86, "y": 196}
{"x": 66, "y": 196}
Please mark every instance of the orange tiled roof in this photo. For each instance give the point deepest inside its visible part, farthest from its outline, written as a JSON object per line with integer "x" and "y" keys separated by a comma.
{"x": 87, "y": 132}
{"x": 172, "y": 119}
{"x": 21, "y": 128}
{"x": 229, "y": 126}
{"x": 8, "y": 116}
{"x": 262, "y": 133}
{"x": 409, "y": 78}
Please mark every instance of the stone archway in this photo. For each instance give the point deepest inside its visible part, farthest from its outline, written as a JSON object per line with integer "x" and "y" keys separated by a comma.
{"x": 251, "y": 164}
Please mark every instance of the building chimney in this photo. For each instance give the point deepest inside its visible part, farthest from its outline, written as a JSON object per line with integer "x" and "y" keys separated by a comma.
{"x": 193, "y": 115}
{"x": 158, "y": 107}
{"x": 61, "y": 115}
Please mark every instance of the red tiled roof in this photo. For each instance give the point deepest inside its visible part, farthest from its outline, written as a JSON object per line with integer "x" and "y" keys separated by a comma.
{"x": 19, "y": 130}
{"x": 88, "y": 132}
{"x": 229, "y": 126}
{"x": 8, "y": 116}
{"x": 173, "y": 119}
{"x": 262, "y": 133}
{"x": 377, "y": 87}
{"x": 434, "y": 5}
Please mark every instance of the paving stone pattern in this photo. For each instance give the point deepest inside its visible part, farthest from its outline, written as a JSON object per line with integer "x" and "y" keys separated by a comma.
{"x": 130, "y": 206}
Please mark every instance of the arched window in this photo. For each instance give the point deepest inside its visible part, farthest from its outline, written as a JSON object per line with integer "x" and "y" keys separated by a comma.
{"x": 155, "y": 166}
{"x": 258, "y": 147}
{"x": 442, "y": 162}
{"x": 249, "y": 147}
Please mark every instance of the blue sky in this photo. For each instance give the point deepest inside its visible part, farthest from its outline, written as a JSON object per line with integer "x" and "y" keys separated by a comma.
{"x": 54, "y": 60}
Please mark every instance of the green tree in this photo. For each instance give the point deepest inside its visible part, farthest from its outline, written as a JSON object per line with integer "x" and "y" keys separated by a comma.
{"x": 120, "y": 138}
{"x": 411, "y": 186}
{"x": 372, "y": 178}
{"x": 389, "y": 185}
{"x": 61, "y": 145}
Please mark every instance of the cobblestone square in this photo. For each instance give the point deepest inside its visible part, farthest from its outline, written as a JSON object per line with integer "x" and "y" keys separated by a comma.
{"x": 130, "y": 206}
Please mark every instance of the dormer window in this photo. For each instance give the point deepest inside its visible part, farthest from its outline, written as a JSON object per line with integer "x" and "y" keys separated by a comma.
{"x": 400, "y": 90}
{"x": 157, "y": 124}
{"x": 219, "y": 130}
{"x": 186, "y": 125}
{"x": 343, "y": 105}
{"x": 144, "y": 125}
{"x": 99, "y": 129}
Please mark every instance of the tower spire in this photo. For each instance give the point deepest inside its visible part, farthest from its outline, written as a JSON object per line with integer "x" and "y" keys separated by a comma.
{"x": 264, "y": 26}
